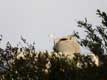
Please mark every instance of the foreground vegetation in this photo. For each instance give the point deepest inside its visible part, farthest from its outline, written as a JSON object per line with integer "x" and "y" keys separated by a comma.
{"x": 47, "y": 66}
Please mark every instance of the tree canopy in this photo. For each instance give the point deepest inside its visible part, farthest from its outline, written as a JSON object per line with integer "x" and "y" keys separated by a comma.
{"x": 96, "y": 38}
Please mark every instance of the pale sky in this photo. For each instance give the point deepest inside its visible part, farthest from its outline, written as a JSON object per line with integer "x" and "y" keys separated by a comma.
{"x": 36, "y": 19}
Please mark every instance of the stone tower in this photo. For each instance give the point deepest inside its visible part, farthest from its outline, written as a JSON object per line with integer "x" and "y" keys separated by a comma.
{"x": 68, "y": 45}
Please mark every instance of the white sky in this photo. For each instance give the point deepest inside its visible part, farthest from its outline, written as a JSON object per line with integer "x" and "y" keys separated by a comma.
{"x": 36, "y": 19}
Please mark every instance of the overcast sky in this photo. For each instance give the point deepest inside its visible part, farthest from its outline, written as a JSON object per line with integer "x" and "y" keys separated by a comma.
{"x": 36, "y": 19}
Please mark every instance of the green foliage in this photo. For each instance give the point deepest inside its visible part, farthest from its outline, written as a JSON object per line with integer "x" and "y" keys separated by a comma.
{"x": 96, "y": 38}
{"x": 44, "y": 66}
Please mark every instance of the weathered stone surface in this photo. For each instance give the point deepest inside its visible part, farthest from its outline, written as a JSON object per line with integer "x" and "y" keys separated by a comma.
{"x": 67, "y": 45}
